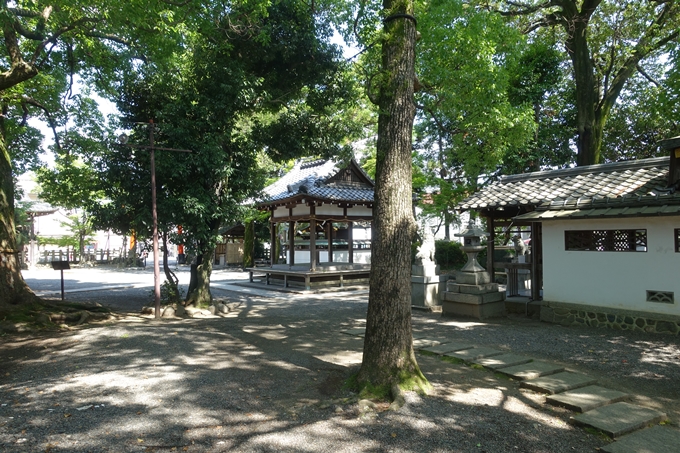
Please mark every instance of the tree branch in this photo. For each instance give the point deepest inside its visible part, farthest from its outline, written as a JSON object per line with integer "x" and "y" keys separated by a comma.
{"x": 53, "y": 39}
{"x": 173, "y": 3}
{"x": 644, "y": 73}
{"x": 48, "y": 114}
{"x": 642, "y": 50}
{"x": 525, "y": 9}
{"x": 19, "y": 71}
{"x": 109, "y": 37}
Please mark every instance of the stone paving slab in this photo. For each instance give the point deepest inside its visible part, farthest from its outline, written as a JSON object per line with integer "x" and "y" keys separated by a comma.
{"x": 419, "y": 343}
{"x": 619, "y": 418}
{"x": 502, "y": 361}
{"x": 469, "y": 355}
{"x": 657, "y": 439}
{"x": 586, "y": 398}
{"x": 356, "y": 332}
{"x": 447, "y": 347}
{"x": 531, "y": 370}
{"x": 557, "y": 383}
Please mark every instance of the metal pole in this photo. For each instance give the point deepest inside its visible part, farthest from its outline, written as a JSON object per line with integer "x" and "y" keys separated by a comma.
{"x": 154, "y": 214}
{"x": 62, "y": 284}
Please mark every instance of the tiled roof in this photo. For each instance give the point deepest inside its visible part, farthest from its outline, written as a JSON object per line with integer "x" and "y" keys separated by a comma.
{"x": 38, "y": 208}
{"x": 634, "y": 184}
{"x": 310, "y": 179}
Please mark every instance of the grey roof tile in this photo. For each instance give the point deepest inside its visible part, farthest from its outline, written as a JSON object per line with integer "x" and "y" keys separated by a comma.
{"x": 310, "y": 179}
{"x": 634, "y": 183}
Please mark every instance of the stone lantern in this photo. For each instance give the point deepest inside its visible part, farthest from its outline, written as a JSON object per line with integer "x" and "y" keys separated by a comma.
{"x": 472, "y": 293}
{"x": 472, "y": 245}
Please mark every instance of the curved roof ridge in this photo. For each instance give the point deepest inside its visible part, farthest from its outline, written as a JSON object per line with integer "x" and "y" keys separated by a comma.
{"x": 576, "y": 171}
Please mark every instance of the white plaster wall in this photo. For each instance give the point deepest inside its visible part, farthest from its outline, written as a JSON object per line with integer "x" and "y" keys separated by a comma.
{"x": 612, "y": 279}
{"x": 360, "y": 210}
{"x": 301, "y": 209}
{"x": 339, "y": 256}
{"x": 281, "y": 211}
{"x": 329, "y": 209}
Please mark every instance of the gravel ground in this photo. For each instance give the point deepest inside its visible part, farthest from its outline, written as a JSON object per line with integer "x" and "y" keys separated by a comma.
{"x": 268, "y": 377}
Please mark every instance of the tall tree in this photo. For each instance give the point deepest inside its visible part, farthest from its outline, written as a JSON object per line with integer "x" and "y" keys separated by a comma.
{"x": 607, "y": 42}
{"x": 468, "y": 124}
{"x": 388, "y": 359}
{"x": 252, "y": 79}
{"x": 46, "y": 44}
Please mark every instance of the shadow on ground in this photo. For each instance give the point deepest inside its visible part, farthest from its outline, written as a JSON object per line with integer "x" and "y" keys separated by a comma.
{"x": 266, "y": 378}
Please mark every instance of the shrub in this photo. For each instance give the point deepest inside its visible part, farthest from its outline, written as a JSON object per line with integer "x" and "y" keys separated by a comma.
{"x": 449, "y": 255}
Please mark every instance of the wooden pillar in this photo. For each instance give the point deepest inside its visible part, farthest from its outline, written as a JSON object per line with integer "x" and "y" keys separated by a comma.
{"x": 291, "y": 244}
{"x": 536, "y": 260}
{"x": 329, "y": 238}
{"x": 350, "y": 241}
{"x": 490, "y": 247}
{"x": 312, "y": 245}
{"x": 272, "y": 246}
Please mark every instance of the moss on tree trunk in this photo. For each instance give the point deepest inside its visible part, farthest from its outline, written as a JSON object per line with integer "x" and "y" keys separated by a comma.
{"x": 199, "y": 288}
{"x": 388, "y": 346}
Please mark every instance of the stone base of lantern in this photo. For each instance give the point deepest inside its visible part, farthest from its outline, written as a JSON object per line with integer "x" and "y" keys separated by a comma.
{"x": 473, "y": 295}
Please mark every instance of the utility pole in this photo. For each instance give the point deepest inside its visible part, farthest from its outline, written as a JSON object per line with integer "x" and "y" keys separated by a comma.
{"x": 154, "y": 214}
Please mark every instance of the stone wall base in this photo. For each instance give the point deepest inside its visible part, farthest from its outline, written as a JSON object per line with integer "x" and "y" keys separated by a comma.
{"x": 584, "y": 315}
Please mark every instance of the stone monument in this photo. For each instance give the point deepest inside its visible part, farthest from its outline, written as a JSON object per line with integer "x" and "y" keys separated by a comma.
{"x": 425, "y": 278}
{"x": 472, "y": 293}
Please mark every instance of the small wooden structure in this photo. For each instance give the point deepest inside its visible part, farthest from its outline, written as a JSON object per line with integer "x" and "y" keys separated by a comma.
{"x": 313, "y": 211}
{"x": 231, "y": 250}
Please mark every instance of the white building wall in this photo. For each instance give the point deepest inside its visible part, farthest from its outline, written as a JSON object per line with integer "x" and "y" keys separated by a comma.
{"x": 339, "y": 256}
{"x": 330, "y": 209}
{"x": 281, "y": 211}
{"x": 301, "y": 209}
{"x": 612, "y": 279}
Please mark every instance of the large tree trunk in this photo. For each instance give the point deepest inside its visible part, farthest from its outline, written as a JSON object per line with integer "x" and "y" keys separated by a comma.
{"x": 388, "y": 346}
{"x": 249, "y": 245}
{"x": 199, "y": 286}
{"x": 587, "y": 96}
{"x": 13, "y": 288}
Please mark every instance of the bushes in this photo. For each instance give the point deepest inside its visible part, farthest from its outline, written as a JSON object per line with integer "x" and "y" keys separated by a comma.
{"x": 449, "y": 255}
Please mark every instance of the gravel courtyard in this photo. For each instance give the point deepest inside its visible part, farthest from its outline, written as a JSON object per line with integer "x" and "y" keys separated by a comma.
{"x": 269, "y": 377}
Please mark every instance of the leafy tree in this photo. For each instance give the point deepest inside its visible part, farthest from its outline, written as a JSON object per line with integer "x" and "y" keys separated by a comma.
{"x": 72, "y": 182}
{"x": 81, "y": 234}
{"x": 252, "y": 79}
{"x": 46, "y": 44}
{"x": 537, "y": 80}
{"x": 607, "y": 42}
{"x": 468, "y": 124}
{"x": 670, "y": 97}
{"x": 638, "y": 122}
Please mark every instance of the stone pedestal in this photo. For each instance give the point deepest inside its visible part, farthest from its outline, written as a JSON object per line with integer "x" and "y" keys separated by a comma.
{"x": 426, "y": 286}
{"x": 472, "y": 294}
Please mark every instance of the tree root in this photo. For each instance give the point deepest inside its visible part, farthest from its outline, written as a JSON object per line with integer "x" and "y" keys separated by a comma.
{"x": 398, "y": 399}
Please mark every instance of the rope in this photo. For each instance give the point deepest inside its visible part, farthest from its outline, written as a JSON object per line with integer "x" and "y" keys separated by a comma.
{"x": 399, "y": 16}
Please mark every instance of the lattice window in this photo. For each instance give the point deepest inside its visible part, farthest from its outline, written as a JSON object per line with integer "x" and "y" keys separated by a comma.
{"x": 662, "y": 297}
{"x": 606, "y": 240}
